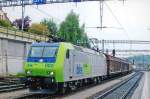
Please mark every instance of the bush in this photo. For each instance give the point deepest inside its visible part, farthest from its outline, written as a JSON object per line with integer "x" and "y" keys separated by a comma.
{"x": 38, "y": 29}
{"x": 5, "y": 23}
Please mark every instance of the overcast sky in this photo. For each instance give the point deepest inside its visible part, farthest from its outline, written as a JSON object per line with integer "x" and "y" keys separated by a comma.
{"x": 133, "y": 17}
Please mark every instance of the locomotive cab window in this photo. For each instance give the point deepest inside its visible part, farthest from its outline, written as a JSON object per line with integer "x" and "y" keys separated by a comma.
{"x": 37, "y": 51}
{"x": 50, "y": 52}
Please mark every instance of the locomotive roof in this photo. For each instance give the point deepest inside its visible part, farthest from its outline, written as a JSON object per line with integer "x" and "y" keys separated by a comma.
{"x": 45, "y": 44}
{"x": 79, "y": 48}
{"x": 117, "y": 58}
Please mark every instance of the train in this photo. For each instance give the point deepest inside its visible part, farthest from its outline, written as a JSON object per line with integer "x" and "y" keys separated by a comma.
{"x": 62, "y": 66}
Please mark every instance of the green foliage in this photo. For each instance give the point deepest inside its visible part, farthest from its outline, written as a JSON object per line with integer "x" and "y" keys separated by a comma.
{"x": 51, "y": 26}
{"x": 38, "y": 29}
{"x": 71, "y": 31}
{"x": 20, "y": 75}
{"x": 5, "y": 23}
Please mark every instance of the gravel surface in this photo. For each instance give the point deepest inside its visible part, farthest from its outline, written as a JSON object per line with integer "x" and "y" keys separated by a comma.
{"x": 10, "y": 95}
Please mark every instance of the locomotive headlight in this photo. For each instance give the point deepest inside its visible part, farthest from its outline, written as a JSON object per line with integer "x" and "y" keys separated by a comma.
{"x": 51, "y": 73}
{"x": 29, "y": 72}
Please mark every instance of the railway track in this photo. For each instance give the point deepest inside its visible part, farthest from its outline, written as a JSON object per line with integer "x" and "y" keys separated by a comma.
{"x": 46, "y": 96}
{"x": 7, "y": 86}
{"x": 11, "y": 87}
{"x": 123, "y": 90}
{"x": 34, "y": 96}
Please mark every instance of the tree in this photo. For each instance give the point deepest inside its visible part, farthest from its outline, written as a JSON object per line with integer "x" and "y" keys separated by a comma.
{"x": 5, "y": 23}
{"x": 71, "y": 31}
{"x": 51, "y": 26}
{"x": 18, "y": 23}
{"x": 38, "y": 29}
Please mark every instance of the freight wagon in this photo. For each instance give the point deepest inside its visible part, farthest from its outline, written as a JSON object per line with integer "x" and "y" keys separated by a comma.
{"x": 117, "y": 66}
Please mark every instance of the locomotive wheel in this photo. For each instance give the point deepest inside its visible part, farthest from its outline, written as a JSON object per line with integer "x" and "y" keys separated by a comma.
{"x": 73, "y": 87}
{"x": 62, "y": 88}
{"x": 62, "y": 91}
{"x": 95, "y": 81}
{"x": 99, "y": 80}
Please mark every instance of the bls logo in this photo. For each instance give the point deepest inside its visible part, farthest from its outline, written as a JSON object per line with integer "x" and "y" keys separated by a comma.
{"x": 79, "y": 69}
{"x": 39, "y": 1}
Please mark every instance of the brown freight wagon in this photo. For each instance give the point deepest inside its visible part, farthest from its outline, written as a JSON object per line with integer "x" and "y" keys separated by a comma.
{"x": 116, "y": 65}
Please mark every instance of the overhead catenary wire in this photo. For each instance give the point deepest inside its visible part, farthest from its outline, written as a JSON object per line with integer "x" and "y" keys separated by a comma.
{"x": 125, "y": 32}
{"x": 47, "y": 14}
{"x": 115, "y": 17}
{"x": 101, "y": 5}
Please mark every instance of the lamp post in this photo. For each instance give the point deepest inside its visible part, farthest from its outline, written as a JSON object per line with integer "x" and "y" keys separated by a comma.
{"x": 23, "y": 11}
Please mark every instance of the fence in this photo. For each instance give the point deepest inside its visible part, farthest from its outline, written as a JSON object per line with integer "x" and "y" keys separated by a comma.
{"x": 16, "y": 33}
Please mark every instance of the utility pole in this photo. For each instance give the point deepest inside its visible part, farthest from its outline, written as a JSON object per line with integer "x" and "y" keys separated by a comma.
{"x": 143, "y": 61}
{"x": 103, "y": 46}
{"x": 6, "y": 60}
{"x": 101, "y": 14}
{"x": 23, "y": 11}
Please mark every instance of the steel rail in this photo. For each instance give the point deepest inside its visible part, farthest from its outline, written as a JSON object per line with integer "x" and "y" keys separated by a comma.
{"x": 32, "y": 96}
{"x": 128, "y": 92}
{"x": 118, "y": 86}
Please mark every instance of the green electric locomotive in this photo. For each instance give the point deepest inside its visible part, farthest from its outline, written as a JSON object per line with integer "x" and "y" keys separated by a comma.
{"x": 57, "y": 67}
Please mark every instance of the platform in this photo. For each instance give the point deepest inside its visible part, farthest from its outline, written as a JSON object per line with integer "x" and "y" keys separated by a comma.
{"x": 143, "y": 90}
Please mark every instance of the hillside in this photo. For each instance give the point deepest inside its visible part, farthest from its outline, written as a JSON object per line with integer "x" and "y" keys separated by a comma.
{"x": 141, "y": 59}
